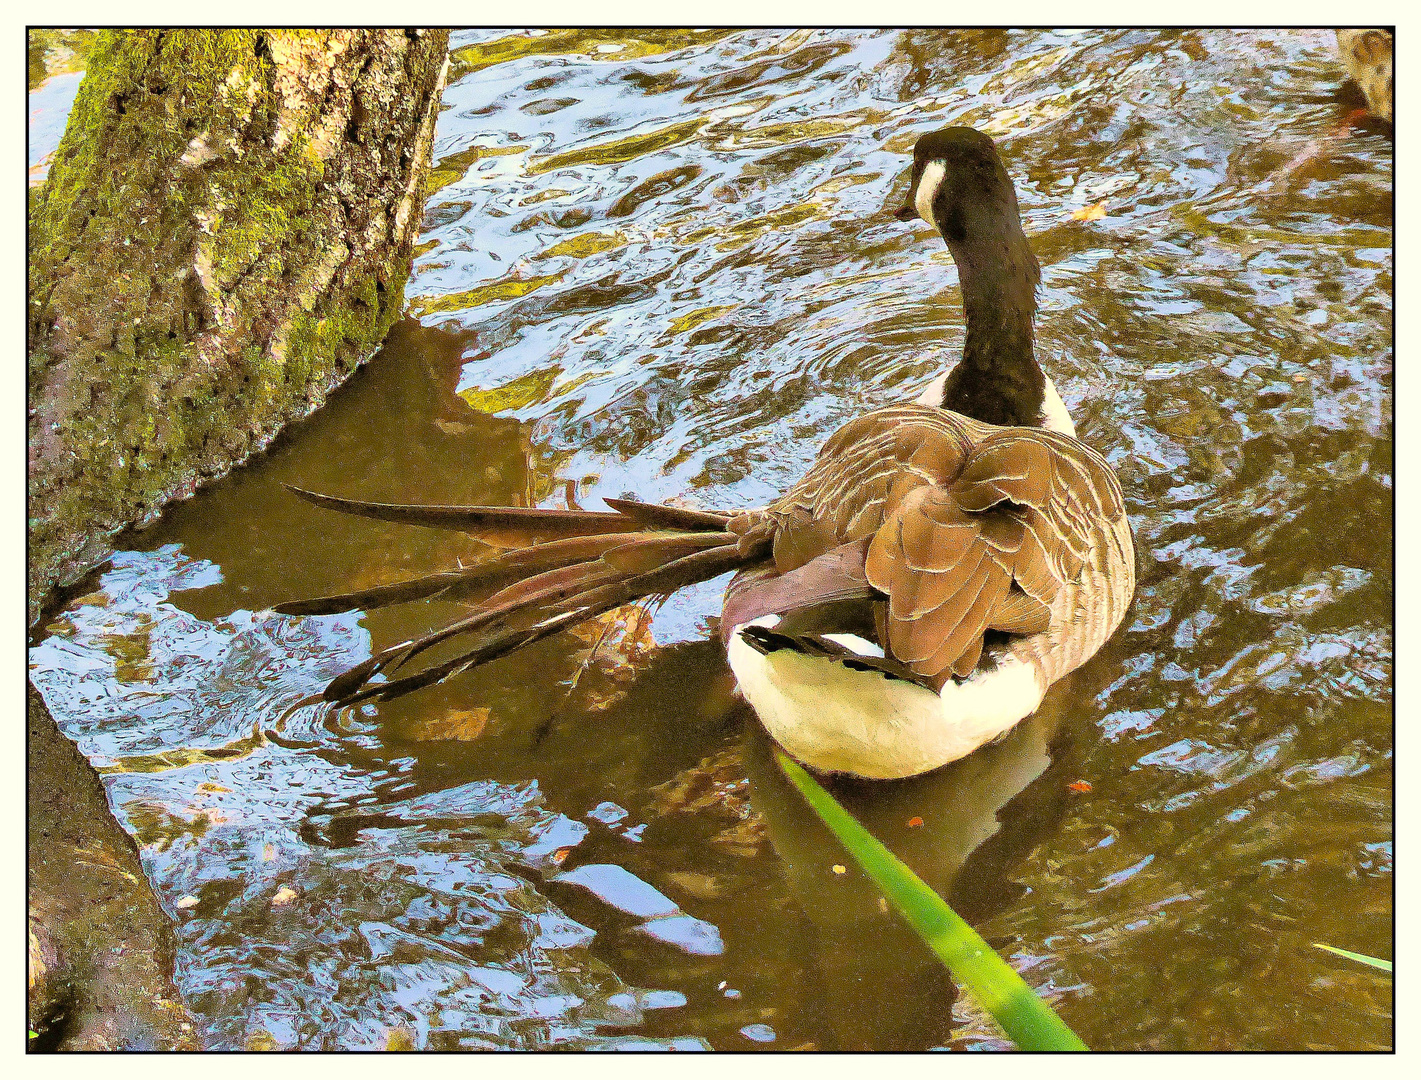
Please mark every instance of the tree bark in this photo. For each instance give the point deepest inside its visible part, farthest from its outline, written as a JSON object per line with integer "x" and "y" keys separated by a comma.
{"x": 224, "y": 236}
{"x": 100, "y": 947}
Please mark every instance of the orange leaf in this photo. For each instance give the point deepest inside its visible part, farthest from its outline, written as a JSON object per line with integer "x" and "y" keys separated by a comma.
{"x": 1080, "y": 785}
{"x": 915, "y": 823}
{"x": 1089, "y": 213}
{"x": 463, "y": 725}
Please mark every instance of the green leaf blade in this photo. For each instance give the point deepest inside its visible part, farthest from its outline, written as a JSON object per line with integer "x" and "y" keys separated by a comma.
{"x": 1361, "y": 958}
{"x": 1030, "y": 1023}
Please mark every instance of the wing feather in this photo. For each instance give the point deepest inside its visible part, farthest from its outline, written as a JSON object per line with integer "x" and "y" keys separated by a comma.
{"x": 973, "y": 528}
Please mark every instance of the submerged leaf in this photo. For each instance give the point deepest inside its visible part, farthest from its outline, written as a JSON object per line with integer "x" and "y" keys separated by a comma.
{"x": 463, "y": 725}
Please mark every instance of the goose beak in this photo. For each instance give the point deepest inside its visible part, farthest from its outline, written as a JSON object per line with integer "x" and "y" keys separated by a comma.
{"x": 906, "y": 213}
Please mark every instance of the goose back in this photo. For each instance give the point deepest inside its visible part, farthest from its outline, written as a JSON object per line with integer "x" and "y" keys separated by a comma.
{"x": 963, "y": 528}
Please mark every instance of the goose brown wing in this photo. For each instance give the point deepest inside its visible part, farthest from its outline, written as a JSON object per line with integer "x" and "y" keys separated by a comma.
{"x": 989, "y": 547}
{"x": 862, "y": 472}
{"x": 970, "y": 527}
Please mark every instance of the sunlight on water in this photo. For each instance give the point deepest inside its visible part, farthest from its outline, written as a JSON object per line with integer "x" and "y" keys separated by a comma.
{"x": 662, "y": 263}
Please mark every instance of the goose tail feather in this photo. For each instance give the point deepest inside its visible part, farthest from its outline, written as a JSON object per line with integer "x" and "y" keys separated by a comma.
{"x": 565, "y": 567}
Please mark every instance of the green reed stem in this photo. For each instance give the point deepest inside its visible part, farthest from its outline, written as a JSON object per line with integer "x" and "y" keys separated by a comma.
{"x": 1361, "y": 958}
{"x": 1029, "y": 1021}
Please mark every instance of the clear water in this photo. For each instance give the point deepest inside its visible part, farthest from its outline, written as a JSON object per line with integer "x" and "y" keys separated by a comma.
{"x": 661, "y": 263}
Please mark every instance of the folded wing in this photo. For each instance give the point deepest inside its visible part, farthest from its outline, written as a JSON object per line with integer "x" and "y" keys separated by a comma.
{"x": 970, "y": 528}
{"x": 990, "y": 549}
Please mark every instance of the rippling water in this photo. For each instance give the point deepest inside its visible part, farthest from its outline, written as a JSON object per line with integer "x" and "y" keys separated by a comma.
{"x": 660, "y": 263}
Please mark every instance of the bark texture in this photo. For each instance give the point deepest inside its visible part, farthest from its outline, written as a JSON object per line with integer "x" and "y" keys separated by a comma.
{"x": 100, "y": 947}
{"x": 224, "y": 236}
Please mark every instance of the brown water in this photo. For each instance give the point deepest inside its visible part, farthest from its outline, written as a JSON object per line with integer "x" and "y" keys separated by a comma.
{"x": 660, "y": 264}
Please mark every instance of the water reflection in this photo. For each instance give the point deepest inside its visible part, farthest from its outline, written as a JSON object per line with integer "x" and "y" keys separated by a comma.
{"x": 657, "y": 263}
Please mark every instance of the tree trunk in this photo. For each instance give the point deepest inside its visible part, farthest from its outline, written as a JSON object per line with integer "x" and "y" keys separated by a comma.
{"x": 224, "y": 236}
{"x": 100, "y": 947}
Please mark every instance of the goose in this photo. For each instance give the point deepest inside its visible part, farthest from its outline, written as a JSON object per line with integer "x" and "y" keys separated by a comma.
{"x": 1367, "y": 55}
{"x": 910, "y": 599}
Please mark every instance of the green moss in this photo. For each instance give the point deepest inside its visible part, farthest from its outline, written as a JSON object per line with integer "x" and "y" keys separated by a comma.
{"x": 338, "y": 339}
{"x": 55, "y": 52}
{"x": 183, "y": 264}
{"x": 117, "y": 473}
{"x": 123, "y": 60}
{"x": 255, "y": 207}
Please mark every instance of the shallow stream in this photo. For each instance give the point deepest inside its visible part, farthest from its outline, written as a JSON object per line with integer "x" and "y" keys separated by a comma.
{"x": 661, "y": 263}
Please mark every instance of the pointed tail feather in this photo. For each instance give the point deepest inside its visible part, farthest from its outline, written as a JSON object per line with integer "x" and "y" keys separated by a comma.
{"x": 535, "y": 612}
{"x": 532, "y": 593}
{"x": 670, "y": 517}
{"x": 568, "y": 566}
{"x": 491, "y": 575}
{"x": 397, "y": 592}
{"x": 520, "y": 526}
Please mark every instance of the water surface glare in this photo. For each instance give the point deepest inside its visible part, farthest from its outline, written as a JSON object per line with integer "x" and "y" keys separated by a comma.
{"x": 661, "y": 263}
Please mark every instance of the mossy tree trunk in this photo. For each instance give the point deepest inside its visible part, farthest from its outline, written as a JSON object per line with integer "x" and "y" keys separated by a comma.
{"x": 224, "y": 236}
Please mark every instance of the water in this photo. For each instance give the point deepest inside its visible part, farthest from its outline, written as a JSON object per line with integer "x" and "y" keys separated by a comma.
{"x": 56, "y": 60}
{"x": 661, "y": 263}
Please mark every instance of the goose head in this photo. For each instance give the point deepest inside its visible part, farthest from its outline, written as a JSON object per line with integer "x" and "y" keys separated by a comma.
{"x": 959, "y": 185}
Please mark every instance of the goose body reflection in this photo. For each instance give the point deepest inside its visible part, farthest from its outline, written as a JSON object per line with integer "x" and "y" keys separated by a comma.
{"x": 972, "y": 821}
{"x": 909, "y": 600}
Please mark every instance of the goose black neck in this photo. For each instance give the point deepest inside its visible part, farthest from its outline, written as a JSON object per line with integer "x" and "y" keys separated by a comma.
{"x": 998, "y": 379}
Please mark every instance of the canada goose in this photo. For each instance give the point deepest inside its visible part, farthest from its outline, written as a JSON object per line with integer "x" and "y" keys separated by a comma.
{"x": 911, "y": 598}
{"x": 1367, "y": 55}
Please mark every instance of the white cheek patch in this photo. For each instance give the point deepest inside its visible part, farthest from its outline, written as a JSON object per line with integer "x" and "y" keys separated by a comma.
{"x": 1054, "y": 416}
{"x": 928, "y": 183}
